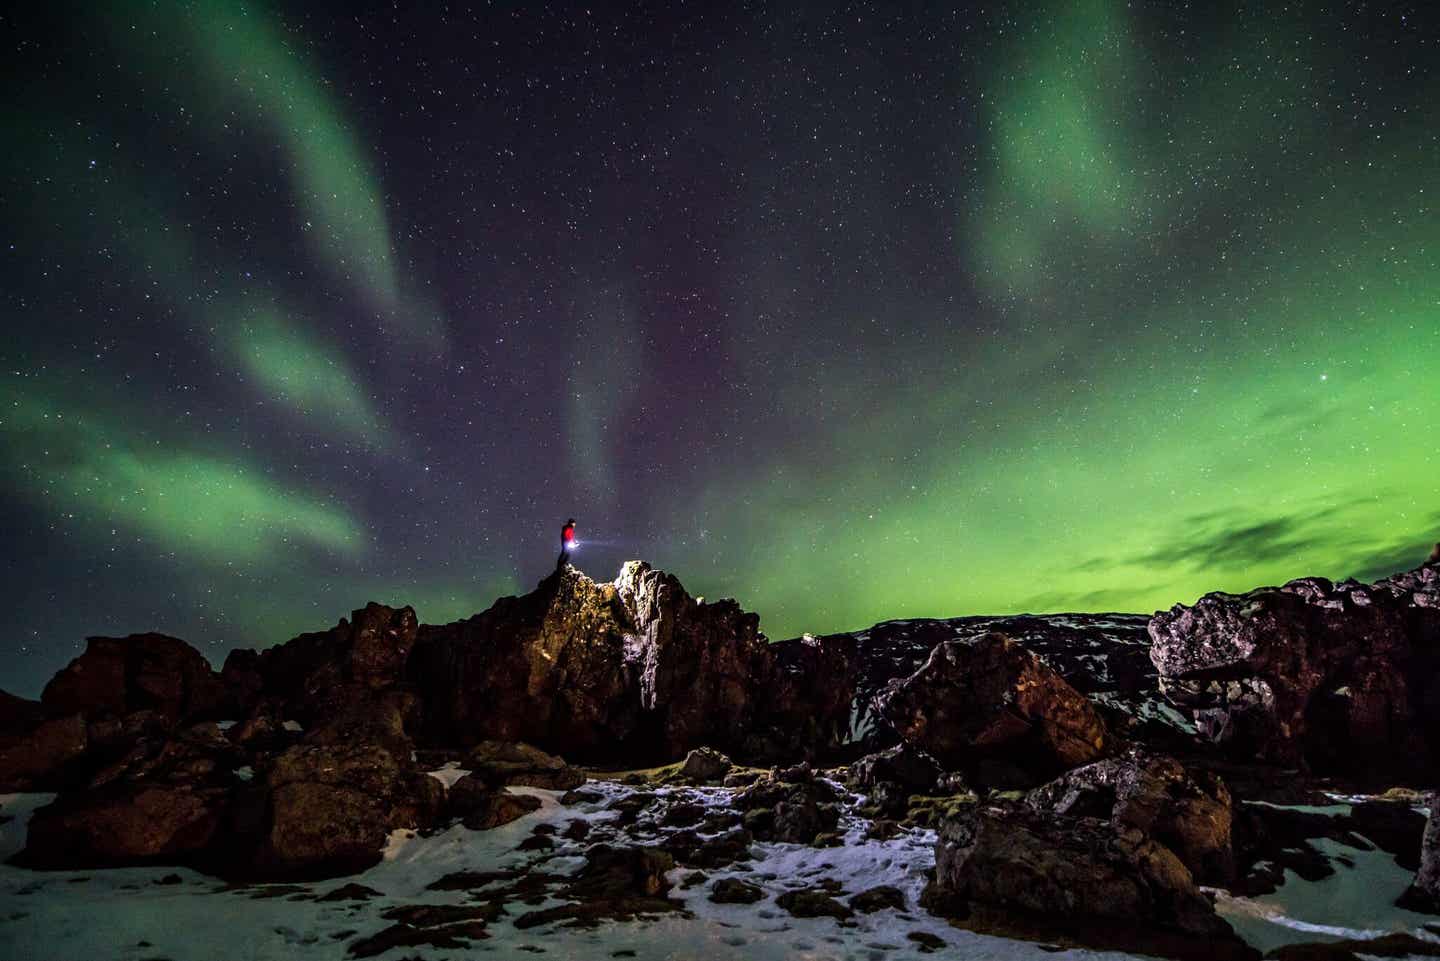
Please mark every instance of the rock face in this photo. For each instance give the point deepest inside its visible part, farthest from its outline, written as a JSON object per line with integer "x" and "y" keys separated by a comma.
{"x": 989, "y": 706}
{"x": 314, "y": 675}
{"x": 1080, "y": 878}
{"x": 42, "y": 755}
{"x": 1188, "y": 813}
{"x": 1339, "y": 678}
{"x": 636, "y": 670}
{"x": 121, "y": 675}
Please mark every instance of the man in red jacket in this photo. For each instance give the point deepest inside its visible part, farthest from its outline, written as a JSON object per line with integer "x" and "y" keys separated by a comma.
{"x": 567, "y": 543}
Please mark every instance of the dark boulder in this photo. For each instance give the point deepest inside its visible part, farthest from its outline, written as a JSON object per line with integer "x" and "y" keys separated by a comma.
{"x": 735, "y": 891}
{"x": 501, "y": 763}
{"x": 1188, "y": 812}
{"x": 482, "y": 805}
{"x": 705, "y": 764}
{"x": 120, "y": 675}
{"x": 987, "y": 705}
{"x": 614, "y": 884}
{"x": 325, "y": 810}
{"x": 162, "y": 803}
{"x": 1044, "y": 876}
{"x": 903, "y": 765}
{"x": 129, "y": 823}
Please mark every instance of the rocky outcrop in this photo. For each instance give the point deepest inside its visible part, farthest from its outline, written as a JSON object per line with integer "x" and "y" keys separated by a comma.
{"x": 1083, "y": 880}
{"x": 143, "y": 672}
{"x": 989, "y": 707}
{"x": 1190, "y": 813}
{"x": 700, "y": 667}
{"x": 1342, "y": 678}
{"x": 635, "y": 670}
{"x": 313, "y": 675}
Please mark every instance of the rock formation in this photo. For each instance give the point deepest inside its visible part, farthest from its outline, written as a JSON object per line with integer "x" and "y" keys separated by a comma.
{"x": 988, "y": 706}
{"x": 1340, "y": 678}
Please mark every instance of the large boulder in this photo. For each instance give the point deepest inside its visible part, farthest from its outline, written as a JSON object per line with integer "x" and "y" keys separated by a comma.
{"x": 1341, "y": 678}
{"x": 988, "y": 706}
{"x": 1188, "y": 812}
{"x": 1046, "y": 876}
{"x": 325, "y": 810}
{"x": 163, "y": 803}
{"x": 120, "y": 675}
{"x": 903, "y": 765}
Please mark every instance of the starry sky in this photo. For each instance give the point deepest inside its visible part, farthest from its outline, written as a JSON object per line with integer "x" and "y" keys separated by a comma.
{"x": 849, "y": 311}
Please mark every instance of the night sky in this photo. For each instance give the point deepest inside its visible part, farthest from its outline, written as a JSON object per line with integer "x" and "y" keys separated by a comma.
{"x": 852, "y": 312}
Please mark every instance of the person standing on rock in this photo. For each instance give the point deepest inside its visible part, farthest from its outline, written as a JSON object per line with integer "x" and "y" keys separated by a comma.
{"x": 567, "y": 544}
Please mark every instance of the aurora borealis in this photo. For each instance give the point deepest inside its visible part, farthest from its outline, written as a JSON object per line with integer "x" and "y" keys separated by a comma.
{"x": 850, "y": 312}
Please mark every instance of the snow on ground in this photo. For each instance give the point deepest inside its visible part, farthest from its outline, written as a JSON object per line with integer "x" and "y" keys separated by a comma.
{"x": 1354, "y": 903}
{"x": 143, "y": 913}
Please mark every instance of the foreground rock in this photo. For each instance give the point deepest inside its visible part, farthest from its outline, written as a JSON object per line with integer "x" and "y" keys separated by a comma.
{"x": 1342, "y": 678}
{"x": 1021, "y": 873}
{"x": 164, "y": 803}
{"x": 1188, "y": 813}
{"x": 991, "y": 708}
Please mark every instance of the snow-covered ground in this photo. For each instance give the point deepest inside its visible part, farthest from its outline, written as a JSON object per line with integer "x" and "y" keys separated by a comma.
{"x": 146, "y": 913}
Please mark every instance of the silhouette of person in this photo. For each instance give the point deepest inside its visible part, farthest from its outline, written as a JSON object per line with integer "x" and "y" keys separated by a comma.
{"x": 567, "y": 543}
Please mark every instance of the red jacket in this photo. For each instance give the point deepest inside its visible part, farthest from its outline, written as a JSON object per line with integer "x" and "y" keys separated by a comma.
{"x": 567, "y": 533}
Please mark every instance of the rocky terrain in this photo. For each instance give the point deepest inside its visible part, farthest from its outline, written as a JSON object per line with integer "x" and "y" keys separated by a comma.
{"x": 1156, "y": 786}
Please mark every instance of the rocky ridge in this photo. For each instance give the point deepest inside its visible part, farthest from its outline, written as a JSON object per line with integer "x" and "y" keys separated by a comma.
{"x": 1113, "y": 750}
